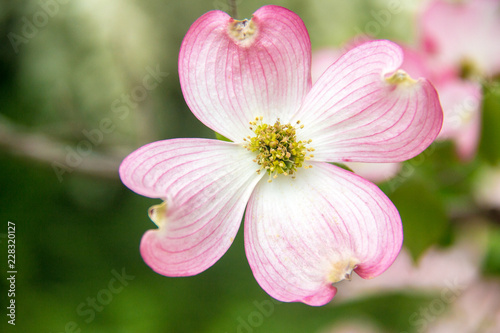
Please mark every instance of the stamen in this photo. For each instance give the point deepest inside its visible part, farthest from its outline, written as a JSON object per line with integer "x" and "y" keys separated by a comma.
{"x": 278, "y": 151}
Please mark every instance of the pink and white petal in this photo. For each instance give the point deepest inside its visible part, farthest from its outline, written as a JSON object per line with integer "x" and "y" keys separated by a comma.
{"x": 354, "y": 113}
{"x": 322, "y": 59}
{"x": 375, "y": 172}
{"x": 463, "y": 31}
{"x": 414, "y": 62}
{"x": 461, "y": 101}
{"x": 228, "y": 81}
{"x": 303, "y": 235}
{"x": 206, "y": 185}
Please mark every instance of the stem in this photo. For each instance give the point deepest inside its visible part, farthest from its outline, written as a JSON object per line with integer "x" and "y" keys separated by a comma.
{"x": 233, "y": 9}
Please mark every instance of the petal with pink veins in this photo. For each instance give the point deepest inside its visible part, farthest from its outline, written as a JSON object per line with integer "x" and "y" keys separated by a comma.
{"x": 206, "y": 185}
{"x": 322, "y": 59}
{"x": 303, "y": 235}
{"x": 363, "y": 109}
{"x": 233, "y": 71}
{"x": 414, "y": 62}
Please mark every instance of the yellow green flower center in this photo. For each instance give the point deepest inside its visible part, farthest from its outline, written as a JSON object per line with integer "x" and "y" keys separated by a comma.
{"x": 277, "y": 148}
{"x": 400, "y": 77}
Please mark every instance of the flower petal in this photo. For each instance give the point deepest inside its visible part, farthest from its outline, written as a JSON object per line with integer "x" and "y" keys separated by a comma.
{"x": 302, "y": 235}
{"x": 206, "y": 185}
{"x": 230, "y": 76}
{"x": 322, "y": 59}
{"x": 354, "y": 114}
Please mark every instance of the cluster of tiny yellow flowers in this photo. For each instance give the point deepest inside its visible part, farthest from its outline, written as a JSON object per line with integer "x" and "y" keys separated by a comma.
{"x": 278, "y": 150}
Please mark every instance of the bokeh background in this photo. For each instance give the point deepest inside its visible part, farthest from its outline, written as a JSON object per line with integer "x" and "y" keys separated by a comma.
{"x": 73, "y": 104}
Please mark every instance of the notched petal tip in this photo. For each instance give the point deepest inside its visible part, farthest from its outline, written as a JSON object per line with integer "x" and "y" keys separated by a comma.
{"x": 400, "y": 77}
{"x": 342, "y": 270}
{"x": 157, "y": 214}
{"x": 243, "y": 32}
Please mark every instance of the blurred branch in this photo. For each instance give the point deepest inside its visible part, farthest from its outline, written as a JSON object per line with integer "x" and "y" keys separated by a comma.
{"x": 42, "y": 148}
{"x": 491, "y": 214}
{"x": 494, "y": 215}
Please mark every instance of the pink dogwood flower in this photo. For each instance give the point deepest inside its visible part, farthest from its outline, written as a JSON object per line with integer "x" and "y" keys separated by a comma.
{"x": 308, "y": 223}
{"x": 460, "y": 40}
{"x": 463, "y": 34}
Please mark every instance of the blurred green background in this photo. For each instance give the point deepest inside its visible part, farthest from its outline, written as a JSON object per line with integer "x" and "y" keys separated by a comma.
{"x": 67, "y": 78}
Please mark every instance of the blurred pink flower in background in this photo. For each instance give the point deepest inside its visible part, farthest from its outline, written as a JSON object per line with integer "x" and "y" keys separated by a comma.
{"x": 305, "y": 228}
{"x": 460, "y": 34}
{"x": 459, "y": 41}
{"x": 457, "y": 49}
{"x": 477, "y": 310}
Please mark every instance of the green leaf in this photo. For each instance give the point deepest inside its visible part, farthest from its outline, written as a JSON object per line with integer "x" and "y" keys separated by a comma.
{"x": 491, "y": 263}
{"x": 489, "y": 146}
{"x": 423, "y": 215}
{"x": 221, "y": 137}
{"x": 343, "y": 166}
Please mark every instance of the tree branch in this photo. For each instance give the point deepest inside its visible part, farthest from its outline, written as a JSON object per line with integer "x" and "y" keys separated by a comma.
{"x": 42, "y": 148}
